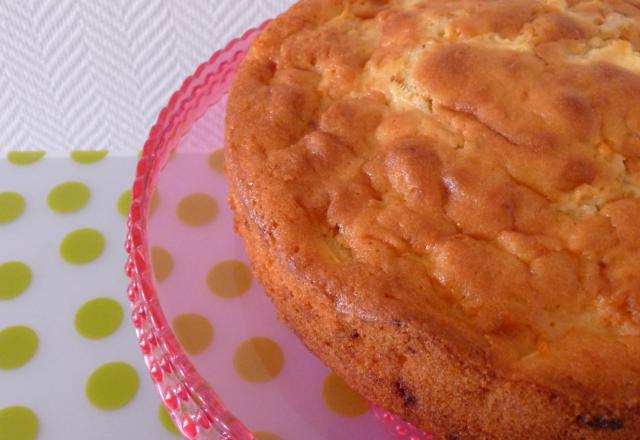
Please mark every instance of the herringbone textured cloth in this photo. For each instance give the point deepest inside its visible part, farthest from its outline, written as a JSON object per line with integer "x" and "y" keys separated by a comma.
{"x": 87, "y": 74}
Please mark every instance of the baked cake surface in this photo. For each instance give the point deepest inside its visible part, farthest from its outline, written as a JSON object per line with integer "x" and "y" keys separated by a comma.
{"x": 442, "y": 198}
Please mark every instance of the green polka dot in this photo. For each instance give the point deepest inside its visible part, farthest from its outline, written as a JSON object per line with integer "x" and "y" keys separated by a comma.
{"x": 24, "y": 157}
{"x": 197, "y": 209}
{"x": 18, "y": 344}
{"x": 11, "y": 207}
{"x": 341, "y": 398}
{"x": 112, "y": 385}
{"x": 262, "y": 435}
{"x": 18, "y": 423}
{"x": 82, "y": 246}
{"x": 155, "y": 200}
{"x": 88, "y": 156}
{"x": 15, "y": 278}
{"x": 172, "y": 154}
{"x": 229, "y": 279}
{"x": 68, "y": 197}
{"x": 162, "y": 263}
{"x": 216, "y": 161}
{"x": 98, "y": 318}
{"x": 124, "y": 203}
{"x": 258, "y": 360}
{"x": 194, "y": 332}
{"x": 165, "y": 420}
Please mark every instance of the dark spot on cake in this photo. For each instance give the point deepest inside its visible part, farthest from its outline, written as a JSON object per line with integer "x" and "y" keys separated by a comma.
{"x": 411, "y": 350}
{"x": 576, "y": 172}
{"x": 450, "y": 436}
{"x": 600, "y": 423}
{"x": 405, "y": 394}
{"x": 355, "y": 334}
{"x": 396, "y": 322}
{"x": 368, "y": 9}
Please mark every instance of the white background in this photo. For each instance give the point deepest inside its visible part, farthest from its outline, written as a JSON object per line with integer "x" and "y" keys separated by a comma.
{"x": 87, "y": 74}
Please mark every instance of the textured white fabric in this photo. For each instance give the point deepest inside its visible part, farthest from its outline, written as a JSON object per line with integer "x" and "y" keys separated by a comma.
{"x": 87, "y": 74}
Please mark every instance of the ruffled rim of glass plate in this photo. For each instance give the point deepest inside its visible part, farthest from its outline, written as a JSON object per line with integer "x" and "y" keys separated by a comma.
{"x": 192, "y": 404}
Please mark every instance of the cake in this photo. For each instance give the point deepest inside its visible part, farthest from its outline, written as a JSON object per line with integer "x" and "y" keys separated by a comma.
{"x": 442, "y": 200}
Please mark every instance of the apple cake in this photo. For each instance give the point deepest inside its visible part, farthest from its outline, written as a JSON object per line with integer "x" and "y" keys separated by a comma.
{"x": 442, "y": 199}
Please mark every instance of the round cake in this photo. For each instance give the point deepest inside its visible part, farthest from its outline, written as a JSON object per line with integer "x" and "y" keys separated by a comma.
{"x": 442, "y": 199}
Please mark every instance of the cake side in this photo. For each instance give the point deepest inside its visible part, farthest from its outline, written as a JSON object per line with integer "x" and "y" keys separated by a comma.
{"x": 416, "y": 376}
{"x": 467, "y": 170}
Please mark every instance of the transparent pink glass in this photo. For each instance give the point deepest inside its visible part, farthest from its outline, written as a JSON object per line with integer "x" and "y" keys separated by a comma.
{"x": 192, "y": 403}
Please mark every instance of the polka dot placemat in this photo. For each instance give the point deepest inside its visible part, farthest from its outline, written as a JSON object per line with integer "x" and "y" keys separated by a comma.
{"x": 222, "y": 318}
{"x": 70, "y": 367}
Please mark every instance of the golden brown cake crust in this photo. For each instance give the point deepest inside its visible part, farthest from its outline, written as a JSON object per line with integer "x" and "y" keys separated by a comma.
{"x": 443, "y": 200}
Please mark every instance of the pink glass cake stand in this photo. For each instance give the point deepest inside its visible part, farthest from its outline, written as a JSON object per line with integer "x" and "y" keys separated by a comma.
{"x": 291, "y": 405}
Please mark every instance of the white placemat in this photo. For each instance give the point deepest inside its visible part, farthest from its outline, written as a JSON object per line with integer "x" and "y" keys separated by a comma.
{"x": 70, "y": 367}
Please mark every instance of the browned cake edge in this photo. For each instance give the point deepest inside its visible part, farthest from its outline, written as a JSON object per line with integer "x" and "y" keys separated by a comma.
{"x": 413, "y": 375}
